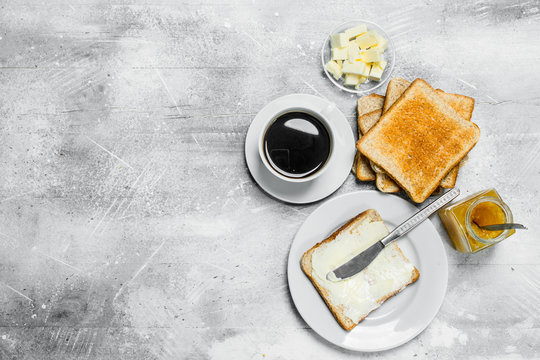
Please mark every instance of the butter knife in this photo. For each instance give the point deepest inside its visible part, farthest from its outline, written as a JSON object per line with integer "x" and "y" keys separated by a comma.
{"x": 360, "y": 261}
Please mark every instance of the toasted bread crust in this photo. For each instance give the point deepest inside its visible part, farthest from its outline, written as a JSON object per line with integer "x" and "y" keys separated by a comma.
{"x": 423, "y": 124}
{"x": 366, "y": 104}
{"x": 345, "y": 322}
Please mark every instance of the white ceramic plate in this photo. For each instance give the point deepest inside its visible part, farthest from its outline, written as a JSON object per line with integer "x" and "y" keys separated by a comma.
{"x": 339, "y": 164}
{"x": 400, "y": 318}
{"x": 389, "y": 56}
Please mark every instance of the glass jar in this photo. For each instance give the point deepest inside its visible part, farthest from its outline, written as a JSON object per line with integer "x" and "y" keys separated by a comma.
{"x": 485, "y": 206}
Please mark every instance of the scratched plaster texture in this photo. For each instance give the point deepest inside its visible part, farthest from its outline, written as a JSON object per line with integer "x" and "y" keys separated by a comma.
{"x": 129, "y": 224}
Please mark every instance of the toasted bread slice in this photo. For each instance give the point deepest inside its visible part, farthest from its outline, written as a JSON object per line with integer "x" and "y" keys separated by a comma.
{"x": 361, "y": 168}
{"x": 366, "y": 121}
{"x": 464, "y": 105}
{"x": 383, "y": 182}
{"x": 391, "y": 260}
{"x": 396, "y": 88}
{"x": 364, "y": 172}
{"x": 355, "y": 161}
{"x": 365, "y": 105}
{"x": 369, "y": 103}
{"x": 419, "y": 140}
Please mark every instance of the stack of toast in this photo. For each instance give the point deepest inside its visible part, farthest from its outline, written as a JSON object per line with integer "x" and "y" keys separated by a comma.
{"x": 414, "y": 138}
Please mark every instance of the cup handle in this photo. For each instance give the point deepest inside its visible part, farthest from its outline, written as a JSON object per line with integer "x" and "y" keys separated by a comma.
{"x": 326, "y": 112}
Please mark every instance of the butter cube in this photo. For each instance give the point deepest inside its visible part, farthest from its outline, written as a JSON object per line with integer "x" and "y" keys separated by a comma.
{"x": 362, "y": 80}
{"x": 358, "y": 68}
{"x": 339, "y": 40}
{"x": 381, "y": 46}
{"x": 365, "y": 41}
{"x": 375, "y": 73}
{"x": 352, "y": 79}
{"x": 370, "y": 56}
{"x": 382, "y": 64}
{"x": 377, "y": 70}
{"x": 382, "y": 43}
{"x": 334, "y": 69}
{"x": 354, "y": 52}
{"x": 340, "y": 53}
{"x": 355, "y": 31}
{"x": 366, "y": 68}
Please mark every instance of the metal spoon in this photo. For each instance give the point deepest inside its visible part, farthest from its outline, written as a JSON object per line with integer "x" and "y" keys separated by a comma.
{"x": 502, "y": 227}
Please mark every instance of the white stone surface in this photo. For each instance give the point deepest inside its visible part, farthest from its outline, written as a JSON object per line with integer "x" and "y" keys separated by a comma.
{"x": 129, "y": 224}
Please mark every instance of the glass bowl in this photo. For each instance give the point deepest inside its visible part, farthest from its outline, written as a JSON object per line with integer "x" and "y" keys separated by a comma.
{"x": 389, "y": 56}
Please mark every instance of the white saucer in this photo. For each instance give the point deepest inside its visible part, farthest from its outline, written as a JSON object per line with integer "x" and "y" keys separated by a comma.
{"x": 339, "y": 164}
{"x": 401, "y": 317}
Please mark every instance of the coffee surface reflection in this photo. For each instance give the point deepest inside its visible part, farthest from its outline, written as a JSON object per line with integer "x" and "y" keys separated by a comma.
{"x": 297, "y": 144}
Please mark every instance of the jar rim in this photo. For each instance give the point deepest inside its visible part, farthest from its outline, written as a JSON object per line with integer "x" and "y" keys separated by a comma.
{"x": 468, "y": 219}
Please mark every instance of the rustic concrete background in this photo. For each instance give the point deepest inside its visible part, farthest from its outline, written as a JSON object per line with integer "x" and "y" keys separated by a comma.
{"x": 129, "y": 224}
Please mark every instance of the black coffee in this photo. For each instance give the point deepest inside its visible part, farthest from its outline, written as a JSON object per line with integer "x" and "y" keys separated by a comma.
{"x": 297, "y": 144}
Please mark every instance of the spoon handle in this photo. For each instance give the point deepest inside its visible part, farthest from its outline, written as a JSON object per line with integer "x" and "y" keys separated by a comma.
{"x": 503, "y": 227}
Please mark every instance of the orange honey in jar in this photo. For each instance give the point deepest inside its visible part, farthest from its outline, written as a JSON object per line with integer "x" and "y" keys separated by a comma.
{"x": 463, "y": 218}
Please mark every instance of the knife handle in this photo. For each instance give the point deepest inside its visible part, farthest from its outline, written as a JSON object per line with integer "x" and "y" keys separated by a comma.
{"x": 420, "y": 216}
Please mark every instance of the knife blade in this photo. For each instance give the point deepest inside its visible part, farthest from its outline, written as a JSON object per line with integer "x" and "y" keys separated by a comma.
{"x": 360, "y": 261}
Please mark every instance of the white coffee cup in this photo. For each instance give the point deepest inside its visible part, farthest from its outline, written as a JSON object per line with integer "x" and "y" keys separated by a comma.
{"x": 321, "y": 114}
